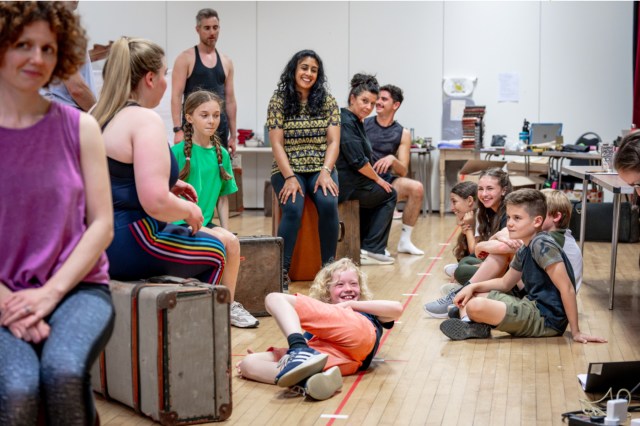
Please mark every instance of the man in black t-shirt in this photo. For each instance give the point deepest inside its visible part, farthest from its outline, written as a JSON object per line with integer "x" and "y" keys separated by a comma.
{"x": 202, "y": 67}
{"x": 391, "y": 145}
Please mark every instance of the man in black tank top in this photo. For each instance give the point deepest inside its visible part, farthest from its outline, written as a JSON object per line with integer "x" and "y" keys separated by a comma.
{"x": 204, "y": 68}
{"x": 391, "y": 145}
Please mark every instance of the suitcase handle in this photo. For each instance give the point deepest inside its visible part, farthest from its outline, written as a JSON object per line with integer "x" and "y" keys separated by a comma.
{"x": 169, "y": 279}
{"x": 341, "y": 230}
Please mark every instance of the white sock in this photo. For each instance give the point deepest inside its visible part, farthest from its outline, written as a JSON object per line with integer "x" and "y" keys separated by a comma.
{"x": 405, "y": 245}
{"x": 465, "y": 319}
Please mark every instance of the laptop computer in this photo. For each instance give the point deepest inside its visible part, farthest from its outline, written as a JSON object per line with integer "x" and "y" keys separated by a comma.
{"x": 544, "y": 132}
{"x": 615, "y": 375}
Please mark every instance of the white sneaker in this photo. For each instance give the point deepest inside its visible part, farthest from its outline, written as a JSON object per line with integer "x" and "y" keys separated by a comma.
{"x": 450, "y": 269}
{"x": 408, "y": 247}
{"x": 241, "y": 318}
{"x": 376, "y": 259}
{"x": 323, "y": 385}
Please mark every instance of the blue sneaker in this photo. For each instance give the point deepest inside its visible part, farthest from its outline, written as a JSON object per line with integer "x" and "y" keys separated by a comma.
{"x": 298, "y": 364}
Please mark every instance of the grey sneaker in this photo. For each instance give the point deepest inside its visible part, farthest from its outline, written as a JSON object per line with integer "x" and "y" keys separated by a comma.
{"x": 323, "y": 385}
{"x": 439, "y": 308}
{"x": 449, "y": 287}
{"x": 456, "y": 329}
{"x": 241, "y": 318}
{"x": 368, "y": 258}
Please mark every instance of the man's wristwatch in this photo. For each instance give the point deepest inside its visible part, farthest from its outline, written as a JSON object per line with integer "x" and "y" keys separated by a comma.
{"x": 177, "y": 129}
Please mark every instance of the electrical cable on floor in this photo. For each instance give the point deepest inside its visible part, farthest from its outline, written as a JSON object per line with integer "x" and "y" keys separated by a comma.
{"x": 595, "y": 409}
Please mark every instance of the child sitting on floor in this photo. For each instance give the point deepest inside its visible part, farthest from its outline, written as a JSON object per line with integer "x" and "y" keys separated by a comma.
{"x": 550, "y": 304}
{"x": 463, "y": 197}
{"x": 556, "y": 223}
{"x": 343, "y": 326}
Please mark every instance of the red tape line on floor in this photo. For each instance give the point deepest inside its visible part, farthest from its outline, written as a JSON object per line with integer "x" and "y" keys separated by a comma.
{"x": 355, "y": 384}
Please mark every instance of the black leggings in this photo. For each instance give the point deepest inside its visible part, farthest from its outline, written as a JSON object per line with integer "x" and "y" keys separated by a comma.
{"x": 327, "y": 206}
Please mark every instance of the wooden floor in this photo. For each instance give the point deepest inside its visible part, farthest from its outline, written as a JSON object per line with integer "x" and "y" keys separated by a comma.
{"x": 422, "y": 378}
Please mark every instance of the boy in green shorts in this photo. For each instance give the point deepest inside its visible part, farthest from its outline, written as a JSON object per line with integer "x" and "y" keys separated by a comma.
{"x": 550, "y": 304}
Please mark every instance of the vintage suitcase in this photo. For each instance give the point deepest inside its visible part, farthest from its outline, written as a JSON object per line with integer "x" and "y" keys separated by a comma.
{"x": 599, "y": 226}
{"x": 260, "y": 271}
{"x": 169, "y": 356}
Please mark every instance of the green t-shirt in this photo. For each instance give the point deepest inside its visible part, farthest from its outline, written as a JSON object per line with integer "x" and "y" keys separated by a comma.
{"x": 205, "y": 176}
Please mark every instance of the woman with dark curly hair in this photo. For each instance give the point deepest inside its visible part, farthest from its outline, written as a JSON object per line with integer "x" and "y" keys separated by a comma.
{"x": 55, "y": 307}
{"x": 304, "y": 130}
{"x": 358, "y": 179}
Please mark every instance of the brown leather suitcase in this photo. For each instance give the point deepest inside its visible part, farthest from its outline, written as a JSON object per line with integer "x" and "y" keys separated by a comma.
{"x": 169, "y": 356}
{"x": 260, "y": 271}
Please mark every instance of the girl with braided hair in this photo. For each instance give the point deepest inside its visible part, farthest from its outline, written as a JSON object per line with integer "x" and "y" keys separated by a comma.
{"x": 202, "y": 160}
{"x": 206, "y": 166}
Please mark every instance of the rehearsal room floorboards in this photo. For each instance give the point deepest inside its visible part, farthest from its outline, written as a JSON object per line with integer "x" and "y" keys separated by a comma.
{"x": 420, "y": 377}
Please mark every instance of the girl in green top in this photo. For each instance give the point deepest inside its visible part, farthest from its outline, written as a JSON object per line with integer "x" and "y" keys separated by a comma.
{"x": 206, "y": 165}
{"x": 202, "y": 161}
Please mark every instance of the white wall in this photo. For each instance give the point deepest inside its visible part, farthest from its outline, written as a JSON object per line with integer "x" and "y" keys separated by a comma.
{"x": 573, "y": 59}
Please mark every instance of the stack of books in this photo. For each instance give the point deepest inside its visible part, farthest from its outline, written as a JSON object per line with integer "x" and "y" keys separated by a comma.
{"x": 473, "y": 127}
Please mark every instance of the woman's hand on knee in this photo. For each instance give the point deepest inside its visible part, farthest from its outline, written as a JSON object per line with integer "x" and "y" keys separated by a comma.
{"x": 35, "y": 333}
{"x": 325, "y": 182}
{"x": 30, "y": 305}
{"x": 384, "y": 184}
{"x": 290, "y": 189}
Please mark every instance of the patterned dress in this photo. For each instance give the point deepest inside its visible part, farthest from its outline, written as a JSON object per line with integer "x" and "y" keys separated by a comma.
{"x": 305, "y": 137}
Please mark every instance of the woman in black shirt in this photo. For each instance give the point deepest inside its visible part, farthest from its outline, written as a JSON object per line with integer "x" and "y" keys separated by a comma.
{"x": 358, "y": 180}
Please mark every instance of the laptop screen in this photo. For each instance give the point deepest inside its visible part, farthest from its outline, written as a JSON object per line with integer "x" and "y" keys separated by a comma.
{"x": 615, "y": 375}
{"x": 544, "y": 132}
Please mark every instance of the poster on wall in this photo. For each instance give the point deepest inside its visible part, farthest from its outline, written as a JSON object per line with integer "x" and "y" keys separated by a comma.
{"x": 457, "y": 93}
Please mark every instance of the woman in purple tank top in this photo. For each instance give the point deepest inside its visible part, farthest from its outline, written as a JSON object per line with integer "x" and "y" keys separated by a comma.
{"x": 56, "y": 219}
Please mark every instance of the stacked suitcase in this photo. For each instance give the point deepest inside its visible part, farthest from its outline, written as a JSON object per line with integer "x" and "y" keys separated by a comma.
{"x": 169, "y": 356}
{"x": 260, "y": 271}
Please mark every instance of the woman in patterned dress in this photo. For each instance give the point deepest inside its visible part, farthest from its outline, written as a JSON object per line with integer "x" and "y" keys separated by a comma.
{"x": 304, "y": 130}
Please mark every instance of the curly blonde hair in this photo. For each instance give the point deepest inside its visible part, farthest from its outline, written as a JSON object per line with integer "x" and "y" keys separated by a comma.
{"x": 321, "y": 284}
{"x": 70, "y": 36}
